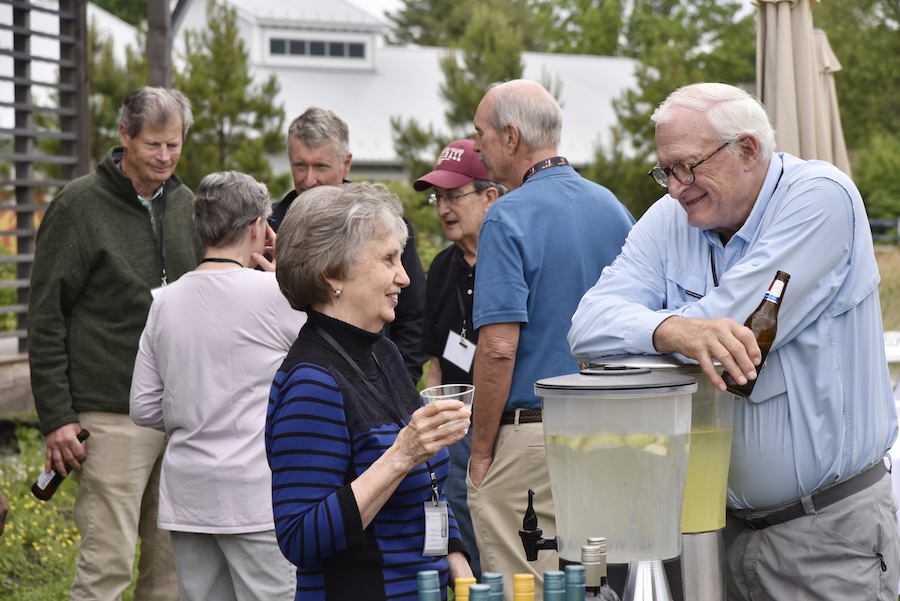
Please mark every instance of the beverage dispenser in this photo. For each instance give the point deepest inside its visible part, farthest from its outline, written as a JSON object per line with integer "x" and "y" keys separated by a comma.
{"x": 703, "y": 514}
{"x": 617, "y": 440}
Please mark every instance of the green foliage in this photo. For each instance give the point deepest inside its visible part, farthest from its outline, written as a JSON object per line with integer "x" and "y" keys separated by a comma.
{"x": 111, "y": 81}
{"x": 8, "y": 321}
{"x": 445, "y": 22}
{"x": 130, "y": 11}
{"x": 875, "y": 174}
{"x": 487, "y": 49}
{"x": 235, "y": 121}
{"x": 864, "y": 36}
{"x": 677, "y": 43}
{"x": 581, "y": 26}
{"x": 38, "y": 548}
{"x": 491, "y": 48}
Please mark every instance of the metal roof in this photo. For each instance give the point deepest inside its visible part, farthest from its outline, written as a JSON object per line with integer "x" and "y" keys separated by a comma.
{"x": 308, "y": 14}
{"x": 406, "y": 83}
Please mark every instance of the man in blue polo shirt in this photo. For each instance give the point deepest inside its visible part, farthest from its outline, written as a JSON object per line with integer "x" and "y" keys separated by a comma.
{"x": 541, "y": 246}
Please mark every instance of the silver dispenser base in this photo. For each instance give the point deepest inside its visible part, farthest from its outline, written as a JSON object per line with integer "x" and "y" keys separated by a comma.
{"x": 703, "y": 566}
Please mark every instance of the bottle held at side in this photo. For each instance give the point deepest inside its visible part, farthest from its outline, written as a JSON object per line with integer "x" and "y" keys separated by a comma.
{"x": 46, "y": 484}
{"x": 764, "y": 324}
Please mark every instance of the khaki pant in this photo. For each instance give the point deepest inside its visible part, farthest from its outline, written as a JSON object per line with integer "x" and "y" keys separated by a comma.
{"x": 498, "y": 506}
{"x": 117, "y": 500}
{"x": 833, "y": 554}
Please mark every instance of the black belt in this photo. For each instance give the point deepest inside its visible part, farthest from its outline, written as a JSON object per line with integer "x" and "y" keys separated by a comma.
{"x": 823, "y": 498}
{"x": 526, "y": 416}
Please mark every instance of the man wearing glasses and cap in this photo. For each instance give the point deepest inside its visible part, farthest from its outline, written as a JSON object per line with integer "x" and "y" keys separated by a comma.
{"x": 811, "y": 508}
{"x": 462, "y": 194}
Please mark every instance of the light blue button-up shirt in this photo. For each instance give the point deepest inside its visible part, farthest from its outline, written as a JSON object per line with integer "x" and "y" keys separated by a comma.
{"x": 822, "y": 408}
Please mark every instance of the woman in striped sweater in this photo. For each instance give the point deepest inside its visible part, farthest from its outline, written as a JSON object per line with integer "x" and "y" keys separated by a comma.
{"x": 357, "y": 462}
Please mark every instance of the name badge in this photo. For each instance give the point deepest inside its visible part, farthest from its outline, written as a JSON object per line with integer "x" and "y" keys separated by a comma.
{"x": 437, "y": 528}
{"x": 460, "y": 352}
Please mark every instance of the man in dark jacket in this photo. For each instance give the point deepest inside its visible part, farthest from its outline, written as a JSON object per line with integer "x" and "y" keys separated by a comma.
{"x": 108, "y": 241}
{"x": 318, "y": 146}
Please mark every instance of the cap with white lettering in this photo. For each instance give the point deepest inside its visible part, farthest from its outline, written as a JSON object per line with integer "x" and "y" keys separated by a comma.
{"x": 458, "y": 164}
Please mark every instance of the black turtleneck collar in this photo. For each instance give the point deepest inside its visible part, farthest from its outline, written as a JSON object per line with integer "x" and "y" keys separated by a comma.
{"x": 357, "y": 342}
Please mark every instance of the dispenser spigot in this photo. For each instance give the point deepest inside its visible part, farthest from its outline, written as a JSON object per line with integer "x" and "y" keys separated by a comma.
{"x": 531, "y": 534}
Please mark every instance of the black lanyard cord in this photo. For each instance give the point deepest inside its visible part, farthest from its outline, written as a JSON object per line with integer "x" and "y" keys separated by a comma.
{"x": 379, "y": 398}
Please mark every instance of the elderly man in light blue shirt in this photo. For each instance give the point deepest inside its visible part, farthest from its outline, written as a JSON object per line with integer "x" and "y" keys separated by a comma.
{"x": 809, "y": 497}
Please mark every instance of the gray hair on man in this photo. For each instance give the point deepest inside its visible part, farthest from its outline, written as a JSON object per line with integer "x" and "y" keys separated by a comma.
{"x": 537, "y": 116}
{"x": 730, "y": 111}
{"x": 322, "y": 234}
{"x": 157, "y": 106}
{"x": 317, "y": 127}
{"x": 226, "y": 203}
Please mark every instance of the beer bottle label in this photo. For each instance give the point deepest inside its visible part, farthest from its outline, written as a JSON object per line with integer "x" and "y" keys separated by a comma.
{"x": 44, "y": 479}
{"x": 775, "y": 290}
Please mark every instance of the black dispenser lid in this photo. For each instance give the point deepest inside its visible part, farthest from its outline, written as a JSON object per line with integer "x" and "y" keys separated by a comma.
{"x": 616, "y": 376}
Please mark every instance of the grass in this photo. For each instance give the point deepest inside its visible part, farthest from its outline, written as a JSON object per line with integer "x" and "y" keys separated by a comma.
{"x": 40, "y": 544}
{"x": 39, "y": 548}
{"x": 889, "y": 288}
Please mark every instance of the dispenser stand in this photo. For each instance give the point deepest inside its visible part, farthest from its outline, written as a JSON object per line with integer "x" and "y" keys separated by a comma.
{"x": 703, "y": 565}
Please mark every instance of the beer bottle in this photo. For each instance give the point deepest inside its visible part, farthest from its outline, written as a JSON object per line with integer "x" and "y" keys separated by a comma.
{"x": 47, "y": 483}
{"x": 480, "y": 592}
{"x": 764, "y": 323}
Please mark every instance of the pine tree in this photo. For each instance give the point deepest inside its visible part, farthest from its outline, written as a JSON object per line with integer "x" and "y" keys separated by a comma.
{"x": 236, "y": 123}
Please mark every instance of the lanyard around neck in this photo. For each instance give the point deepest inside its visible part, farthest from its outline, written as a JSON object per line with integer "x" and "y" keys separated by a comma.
{"x": 545, "y": 164}
{"x": 391, "y": 409}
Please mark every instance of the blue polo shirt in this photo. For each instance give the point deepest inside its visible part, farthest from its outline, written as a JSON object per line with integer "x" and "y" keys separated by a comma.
{"x": 540, "y": 248}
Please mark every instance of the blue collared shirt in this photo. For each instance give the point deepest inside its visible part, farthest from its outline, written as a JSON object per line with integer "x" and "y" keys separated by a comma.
{"x": 822, "y": 408}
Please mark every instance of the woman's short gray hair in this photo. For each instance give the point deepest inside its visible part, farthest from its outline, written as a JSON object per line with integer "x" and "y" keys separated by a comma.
{"x": 226, "y": 203}
{"x": 538, "y": 117}
{"x": 322, "y": 234}
{"x": 729, "y": 110}
{"x": 157, "y": 106}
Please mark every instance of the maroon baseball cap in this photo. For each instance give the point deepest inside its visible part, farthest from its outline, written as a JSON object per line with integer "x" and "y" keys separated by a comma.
{"x": 458, "y": 164}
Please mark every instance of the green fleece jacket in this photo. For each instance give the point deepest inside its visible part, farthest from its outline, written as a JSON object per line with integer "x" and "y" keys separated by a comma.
{"x": 98, "y": 255}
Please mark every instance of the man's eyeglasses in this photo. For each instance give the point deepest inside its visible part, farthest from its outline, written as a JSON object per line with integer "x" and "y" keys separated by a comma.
{"x": 434, "y": 199}
{"x": 683, "y": 172}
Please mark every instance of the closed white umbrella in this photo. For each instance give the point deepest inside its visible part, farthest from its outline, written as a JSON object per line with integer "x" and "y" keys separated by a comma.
{"x": 795, "y": 78}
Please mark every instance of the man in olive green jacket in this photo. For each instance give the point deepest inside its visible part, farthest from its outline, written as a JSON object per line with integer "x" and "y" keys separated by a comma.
{"x": 107, "y": 242}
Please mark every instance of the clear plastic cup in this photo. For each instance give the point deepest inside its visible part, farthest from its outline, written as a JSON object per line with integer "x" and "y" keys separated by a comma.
{"x": 646, "y": 581}
{"x": 455, "y": 392}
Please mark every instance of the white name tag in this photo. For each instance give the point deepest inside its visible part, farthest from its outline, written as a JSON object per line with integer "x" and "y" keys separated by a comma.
{"x": 460, "y": 352}
{"x": 437, "y": 528}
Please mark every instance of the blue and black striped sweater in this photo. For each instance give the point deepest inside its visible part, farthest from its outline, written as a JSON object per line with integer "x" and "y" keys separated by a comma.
{"x": 323, "y": 429}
